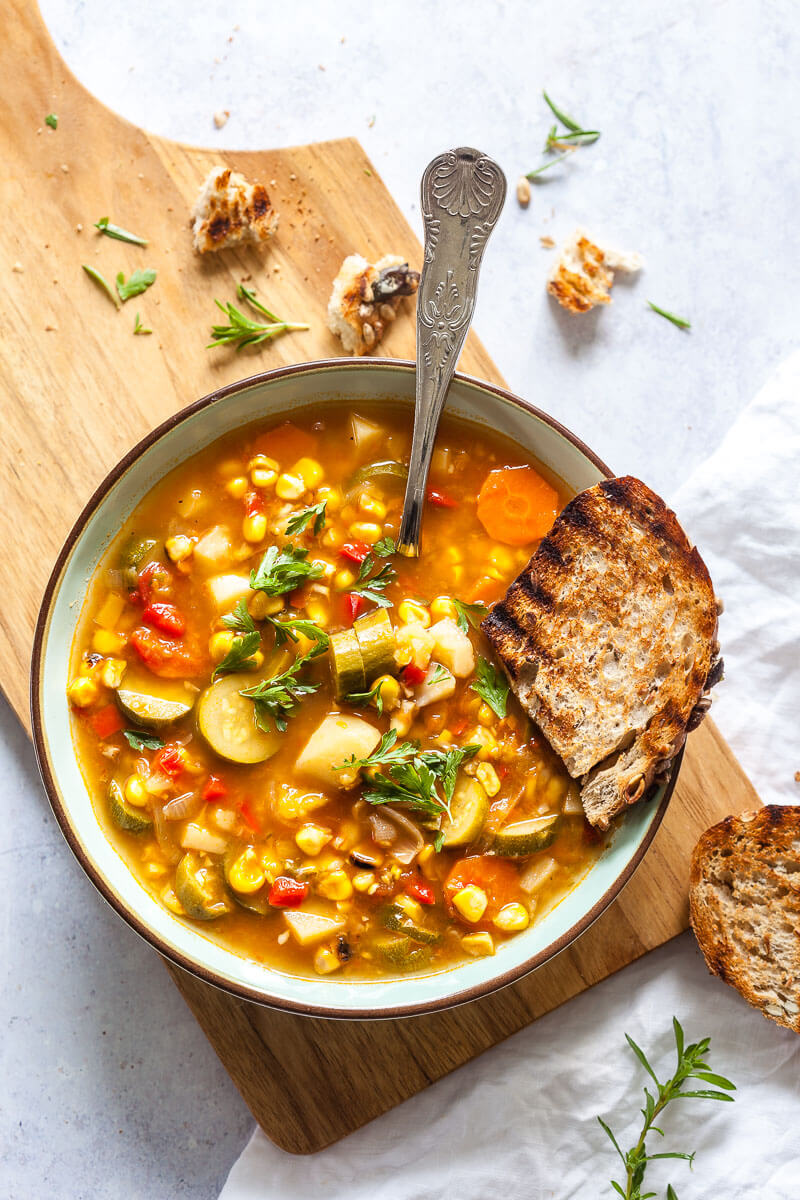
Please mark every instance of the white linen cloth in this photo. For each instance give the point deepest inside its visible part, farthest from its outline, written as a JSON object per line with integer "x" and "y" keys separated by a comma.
{"x": 519, "y": 1122}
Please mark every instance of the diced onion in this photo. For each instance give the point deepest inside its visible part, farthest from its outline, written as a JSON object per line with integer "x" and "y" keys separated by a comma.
{"x": 164, "y": 831}
{"x": 383, "y": 832}
{"x": 197, "y": 838}
{"x": 182, "y": 806}
{"x": 409, "y": 842}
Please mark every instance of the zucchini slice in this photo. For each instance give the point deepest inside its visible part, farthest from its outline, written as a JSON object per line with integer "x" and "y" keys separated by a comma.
{"x": 153, "y": 703}
{"x": 228, "y": 723}
{"x": 469, "y": 809}
{"x": 376, "y": 641}
{"x": 347, "y": 665}
{"x": 396, "y": 919}
{"x": 124, "y": 815}
{"x": 522, "y": 838}
{"x": 133, "y": 552}
{"x": 389, "y": 471}
{"x": 402, "y": 954}
{"x": 200, "y": 889}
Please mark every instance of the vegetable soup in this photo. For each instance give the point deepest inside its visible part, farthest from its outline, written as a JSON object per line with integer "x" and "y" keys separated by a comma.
{"x": 295, "y": 737}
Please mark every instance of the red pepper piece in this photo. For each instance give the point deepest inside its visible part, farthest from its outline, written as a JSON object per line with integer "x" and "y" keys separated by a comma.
{"x": 169, "y": 761}
{"x": 419, "y": 890}
{"x": 287, "y": 893}
{"x": 253, "y": 503}
{"x": 214, "y": 789}
{"x": 162, "y": 656}
{"x": 412, "y": 675}
{"x": 353, "y": 605}
{"x": 440, "y": 499}
{"x": 355, "y": 551}
{"x": 145, "y": 581}
{"x": 166, "y": 618}
{"x": 107, "y": 721}
{"x": 457, "y": 725}
{"x": 502, "y": 770}
{"x": 248, "y": 818}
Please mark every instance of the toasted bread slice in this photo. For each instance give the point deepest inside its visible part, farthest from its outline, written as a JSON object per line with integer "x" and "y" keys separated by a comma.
{"x": 229, "y": 210}
{"x": 365, "y": 299}
{"x": 744, "y": 904}
{"x": 608, "y": 638}
{"x": 583, "y": 274}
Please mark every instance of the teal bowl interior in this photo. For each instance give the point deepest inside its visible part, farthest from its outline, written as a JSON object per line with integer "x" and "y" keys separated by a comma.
{"x": 265, "y": 397}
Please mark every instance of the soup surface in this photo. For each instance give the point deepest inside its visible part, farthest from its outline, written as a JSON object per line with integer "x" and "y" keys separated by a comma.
{"x": 295, "y": 737}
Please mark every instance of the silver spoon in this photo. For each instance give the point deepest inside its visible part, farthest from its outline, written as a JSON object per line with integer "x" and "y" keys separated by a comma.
{"x": 463, "y": 192}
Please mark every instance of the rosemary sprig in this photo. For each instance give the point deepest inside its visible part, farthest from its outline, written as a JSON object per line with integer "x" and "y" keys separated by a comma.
{"x": 565, "y": 140}
{"x": 122, "y": 235}
{"x": 691, "y": 1064}
{"x": 681, "y": 322}
{"x": 138, "y": 327}
{"x": 533, "y": 175}
{"x": 240, "y": 329}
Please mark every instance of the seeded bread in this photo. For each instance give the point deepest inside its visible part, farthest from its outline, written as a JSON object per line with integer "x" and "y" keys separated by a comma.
{"x": 365, "y": 299}
{"x": 229, "y": 210}
{"x": 744, "y": 903}
{"x": 608, "y": 638}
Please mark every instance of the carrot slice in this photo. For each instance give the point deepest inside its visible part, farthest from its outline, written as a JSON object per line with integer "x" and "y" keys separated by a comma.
{"x": 516, "y": 506}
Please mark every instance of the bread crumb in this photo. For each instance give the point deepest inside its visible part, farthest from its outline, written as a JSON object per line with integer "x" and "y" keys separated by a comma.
{"x": 797, "y": 776}
{"x": 221, "y": 117}
{"x": 51, "y": 329}
{"x": 79, "y": 228}
{"x": 18, "y": 268}
{"x": 547, "y": 241}
{"x": 583, "y": 274}
{"x": 229, "y": 210}
{"x": 65, "y": 168}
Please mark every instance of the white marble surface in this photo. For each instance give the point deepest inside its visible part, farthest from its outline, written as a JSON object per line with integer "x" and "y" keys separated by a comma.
{"x": 109, "y": 1088}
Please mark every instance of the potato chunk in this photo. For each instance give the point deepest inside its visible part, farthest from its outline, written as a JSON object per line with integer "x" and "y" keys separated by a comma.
{"x": 339, "y": 737}
{"x": 453, "y": 648}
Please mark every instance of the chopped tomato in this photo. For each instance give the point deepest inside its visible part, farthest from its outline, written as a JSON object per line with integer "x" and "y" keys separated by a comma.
{"x": 487, "y": 590}
{"x": 457, "y": 725}
{"x": 355, "y": 551}
{"x": 440, "y": 499}
{"x": 214, "y": 789}
{"x": 287, "y": 893}
{"x": 107, "y": 721}
{"x": 153, "y": 577}
{"x": 419, "y": 890}
{"x": 170, "y": 760}
{"x": 353, "y": 605}
{"x": 248, "y": 818}
{"x": 166, "y": 618}
{"x": 497, "y": 878}
{"x": 253, "y": 503}
{"x": 286, "y": 443}
{"x": 517, "y": 506}
{"x": 413, "y": 675}
{"x": 162, "y": 656}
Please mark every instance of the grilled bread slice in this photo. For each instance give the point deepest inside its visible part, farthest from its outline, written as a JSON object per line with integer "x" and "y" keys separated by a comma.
{"x": 229, "y": 210}
{"x": 744, "y": 903}
{"x": 608, "y": 638}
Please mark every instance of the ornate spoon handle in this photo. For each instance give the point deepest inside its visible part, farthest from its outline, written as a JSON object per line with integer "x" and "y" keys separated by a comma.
{"x": 462, "y": 195}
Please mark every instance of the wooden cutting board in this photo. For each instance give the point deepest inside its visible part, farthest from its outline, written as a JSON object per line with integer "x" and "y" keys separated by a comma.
{"x": 77, "y": 389}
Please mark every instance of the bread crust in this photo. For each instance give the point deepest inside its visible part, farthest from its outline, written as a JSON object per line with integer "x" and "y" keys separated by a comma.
{"x": 744, "y": 907}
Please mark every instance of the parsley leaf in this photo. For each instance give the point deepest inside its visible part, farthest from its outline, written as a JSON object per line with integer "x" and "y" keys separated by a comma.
{"x": 387, "y": 751}
{"x": 137, "y": 739}
{"x": 301, "y": 520}
{"x": 470, "y": 614}
{"x": 491, "y": 686}
{"x": 289, "y": 631}
{"x": 283, "y": 570}
{"x": 362, "y": 699}
{"x": 413, "y": 776}
{"x": 277, "y": 699}
{"x": 52, "y": 120}
{"x": 243, "y": 649}
{"x": 385, "y": 547}
{"x": 139, "y": 282}
{"x": 121, "y": 235}
{"x": 373, "y": 587}
{"x": 445, "y": 765}
{"x": 412, "y": 783}
{"x": 240, "y": 620}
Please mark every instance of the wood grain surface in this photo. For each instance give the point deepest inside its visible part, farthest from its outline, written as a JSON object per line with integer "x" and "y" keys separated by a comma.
{"x": 77, "y": 389}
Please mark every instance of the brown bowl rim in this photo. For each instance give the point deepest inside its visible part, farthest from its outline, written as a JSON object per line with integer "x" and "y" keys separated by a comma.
{"x": 463, "y": 996}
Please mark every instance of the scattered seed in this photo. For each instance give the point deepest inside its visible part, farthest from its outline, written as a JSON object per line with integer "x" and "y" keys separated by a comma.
{"x": 221, "y": 117}
{"x": 523, "y": 192}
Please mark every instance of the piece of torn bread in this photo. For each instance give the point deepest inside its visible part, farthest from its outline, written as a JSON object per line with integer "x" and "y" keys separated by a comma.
{"x": 229, "y": 210}
{"x": 583, "y": 274}
{"x": 365, "y": 299}
{"x": 608, "y": 638}
{"x": 744, "y": 904}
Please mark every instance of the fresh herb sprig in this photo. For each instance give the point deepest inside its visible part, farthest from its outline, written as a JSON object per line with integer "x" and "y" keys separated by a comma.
{"x": 137, "y": 739}
{"x": 491, "y": 686}
{"x": 470, "y": 614}
{"x": 422, "y": 779}
{"x": 52, "y": 120}
{"x": 277, "y": 699}
{"x": 102, "y": 283}
{"x": 241, "y": 330}
{"x": 372, "y": 587}
{"x": 138, "y": 327}
{"x": 385, "y": 547}
{"x": 122, "y": 235}
{"x": 691, "y": 1064}
{"x": 283, "y": 570}
{"x": 240, "y": 620}
{"x": 681, "y": 322}
{"x": 362, "y": 699}
{"x": 300, "y": 521}
{"x": 138, "y": 282}
{"x": 562, "y": 142}
{"x": 240, "y": 654}
{"x": 291, "y": 630}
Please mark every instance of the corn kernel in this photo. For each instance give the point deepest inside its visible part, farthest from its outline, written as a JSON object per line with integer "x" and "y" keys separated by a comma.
{"x": 290, "y": 487}
{"x": 155, "y": 870}
{"x": 237, "y": 487}
{"x": 372, "y": 506}
{"x": 343, "y": 580}
{"x": 220, "y": 643}
{"x": 486, "y": 715}
{"x": 487, "y": 742}
{"x": 411, "y": 613}
{"x": 443, "y": 607}
{"x": 325, "y": 961}
{"x": 246, "y": 874}
{"x": 332, "y": 538}
{"x": 367, "y": 532}
{"x": 254, "y": 527}
{"x": 83, "y": 691}
{"x": 445, "y": 737}
{"x": 363, "y": 881}
{"x": 336, "y": 886}
{"x": 480, "y": 945}
{"x": 179, "y": 548}
{"x": 260, "y": 605}
{"x": 112, "y": 671}
{"x": 487, "y": 776}
{"x": 332, "y": 496}
{"x": 503, "y": 559}
{"x": 262, "y": 462}
{"x": 453, "y": 555}
{"x": 317, "y": 612}
{"x": 310, "y": 471}
{"x": 410, "y": 907}
{"x": 311, "y": 838}
{"x": 470, "y": 902}
{"x": 135, "y": 791}
{"x": 106, "y": 642}
{"x": 512, "y": 917}
{"x": 262, "y": 479}
{"x": 388, "y": 689}
{"x": 171, "y": 901}
{"x": 110, "y": 611}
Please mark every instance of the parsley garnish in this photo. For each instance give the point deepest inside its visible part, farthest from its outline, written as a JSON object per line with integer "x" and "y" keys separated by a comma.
{"x": 289, "y": 631}
{"x": 372, "y": 588}
{"x": 681, "y": 322}
{"x": 385, "y": 547}
{"x": 301, "y": 520}
{"x": 438, "y": 840}
{"x": 138, "y": 740}
{"x": 691, "y": 1065}
{"x": 362, "y": 699}
{"x": 491, "y": 686}
{"x": 413, "y": 776}
{"x": 138, "y": 327}
{"x": 240, "y": 620}
{"x": 101, "y": 282}
{"x": 121, "y": 235}
{"x": 277, "y": 699}
{"x": 470, "y": 614}
{"x": 240, "y": 653}
{"x": 283, "y": 570}
{"x": 139, "y": 282}
{"x": 244, "y": 331}
{"x": 52, "y": 120}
